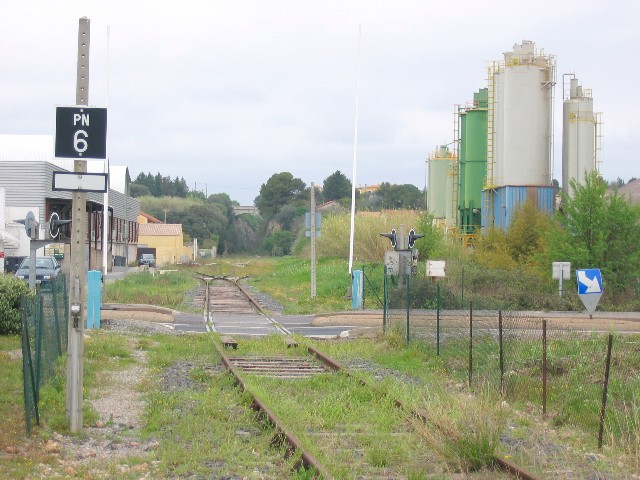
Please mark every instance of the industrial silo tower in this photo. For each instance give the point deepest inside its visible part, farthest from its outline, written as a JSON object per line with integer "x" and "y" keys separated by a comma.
{"x": 579, "y": 133}
{"x": 519, "y": 134}
{"x": 440, "y": 188}
{"x": 472, "y": 162}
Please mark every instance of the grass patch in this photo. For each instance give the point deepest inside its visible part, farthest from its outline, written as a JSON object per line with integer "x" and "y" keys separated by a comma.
{"x": 467, "y": 428}
{"x": 168, "y": 291}
{"x": 12, "y": 408}
{"x": 207, "y": 430}
{"x": 288, "y": 280}
{"x": 358, "y": 431}
{"x": 464, "y": 430}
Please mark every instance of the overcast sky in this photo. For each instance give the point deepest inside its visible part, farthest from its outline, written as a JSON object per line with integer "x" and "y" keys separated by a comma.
{"x": 225, "y": 94}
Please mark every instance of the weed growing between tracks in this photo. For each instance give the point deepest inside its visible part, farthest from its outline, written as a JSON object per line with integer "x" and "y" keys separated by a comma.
{"x": 541, "y": 444}
{"x": 180, "y": 381}
{"x": 204, "y": 428}
{"x": 357, "y": 431}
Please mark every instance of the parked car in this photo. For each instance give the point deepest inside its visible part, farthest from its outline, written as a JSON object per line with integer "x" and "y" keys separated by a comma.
{"x": 47, "y": 269}
{"x": 11, "y": 264}
{"x": 147, "y": 260}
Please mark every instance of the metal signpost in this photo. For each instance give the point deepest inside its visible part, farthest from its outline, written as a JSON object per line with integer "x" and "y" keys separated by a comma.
{"x": 560, "y": 271}
{"x": 589, "y": 288}
{"x": 403, "y": 259}
{"x": 312, "y": 225}
{"x": 32, "y": 229}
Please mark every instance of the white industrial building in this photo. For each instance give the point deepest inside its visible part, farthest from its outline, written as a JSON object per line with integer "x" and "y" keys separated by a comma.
{"x": 27, "y": 164}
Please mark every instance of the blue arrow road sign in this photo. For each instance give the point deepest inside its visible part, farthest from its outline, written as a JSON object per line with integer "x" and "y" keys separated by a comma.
{"x": 589, "y": 281}
{"x": 589, "y": 288}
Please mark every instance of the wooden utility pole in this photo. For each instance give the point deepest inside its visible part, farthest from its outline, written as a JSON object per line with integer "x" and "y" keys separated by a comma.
{"x": 78, "y": 268}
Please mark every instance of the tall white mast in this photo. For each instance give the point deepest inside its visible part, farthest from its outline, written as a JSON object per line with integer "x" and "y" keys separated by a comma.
{"x": 105, "y": 208}
{"x": 355, "y": 152}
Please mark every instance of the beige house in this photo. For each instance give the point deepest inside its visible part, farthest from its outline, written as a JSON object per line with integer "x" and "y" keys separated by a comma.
{"x": 166, "y": 238}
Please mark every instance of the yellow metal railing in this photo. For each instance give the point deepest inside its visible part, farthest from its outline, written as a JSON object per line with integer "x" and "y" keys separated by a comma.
{"x": 494, "y": 69}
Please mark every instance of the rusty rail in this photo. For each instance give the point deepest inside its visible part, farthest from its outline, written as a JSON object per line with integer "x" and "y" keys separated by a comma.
{"x": 306, "y": 459}
{"x": 502, "y": 463}
{"x": 235, "y": 282}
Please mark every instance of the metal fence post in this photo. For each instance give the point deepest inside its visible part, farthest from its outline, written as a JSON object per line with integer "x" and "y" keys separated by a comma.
{"x": 364, "y": 286}
{"x": 408, "y": 304}
{"x": 384, "y": 301}
{"x": 544, "y": 367}
{"x": 462, "y": 289}
{"x": 438, "y": 319}
{"x": 500, "y": 337}
{"x": 605, "y": 387}
{"x": 38, "y": 314}
{"x": 30, "y": 404}
{"x": 470, "y": 343}
{"x": 56, "y": 316}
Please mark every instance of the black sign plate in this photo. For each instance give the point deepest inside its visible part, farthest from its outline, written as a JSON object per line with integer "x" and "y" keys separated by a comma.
{"x": 81, "y": 132}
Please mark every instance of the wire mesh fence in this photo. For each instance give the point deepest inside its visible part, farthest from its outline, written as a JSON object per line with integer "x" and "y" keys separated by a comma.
{"x": 546, "y": 365}
{"x": 373, "y": 288}
{"x": 44, "y": 340}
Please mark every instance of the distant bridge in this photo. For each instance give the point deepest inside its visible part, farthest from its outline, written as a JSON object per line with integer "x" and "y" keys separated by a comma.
{"x": 239, "y": 210}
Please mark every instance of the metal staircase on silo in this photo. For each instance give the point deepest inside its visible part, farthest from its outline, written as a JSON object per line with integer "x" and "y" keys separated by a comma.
{"x": 597, "y": 151}
{"x": 455, "y": 169}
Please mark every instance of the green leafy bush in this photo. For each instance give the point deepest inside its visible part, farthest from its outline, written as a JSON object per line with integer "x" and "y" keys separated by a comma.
{"x": 279, "y": 243}
{"x": 10, "y": 291}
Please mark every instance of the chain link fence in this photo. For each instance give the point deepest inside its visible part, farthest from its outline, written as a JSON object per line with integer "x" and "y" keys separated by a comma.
{"x": 545, "y": 364}
{"x": 44, "y": 340}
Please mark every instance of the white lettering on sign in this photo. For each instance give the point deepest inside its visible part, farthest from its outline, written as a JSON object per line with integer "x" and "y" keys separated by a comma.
{"x": 80, "y": 144}
{"x": 83, "y": 119}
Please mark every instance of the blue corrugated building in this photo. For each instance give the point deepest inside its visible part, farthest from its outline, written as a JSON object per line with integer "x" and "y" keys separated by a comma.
{"x": 499, "y": 204}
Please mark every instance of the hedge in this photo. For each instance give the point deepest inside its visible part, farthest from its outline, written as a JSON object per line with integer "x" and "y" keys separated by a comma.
{"x": 11, "y": 289}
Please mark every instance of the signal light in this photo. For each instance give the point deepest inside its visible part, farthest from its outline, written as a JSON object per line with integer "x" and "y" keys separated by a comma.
{"x": 391, "y": 236}
{"x": 55, "y": 223}
{"x": 413, "y": 236}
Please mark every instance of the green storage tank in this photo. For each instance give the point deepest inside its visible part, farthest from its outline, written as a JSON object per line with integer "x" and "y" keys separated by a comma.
{"x": 472, "y": 162}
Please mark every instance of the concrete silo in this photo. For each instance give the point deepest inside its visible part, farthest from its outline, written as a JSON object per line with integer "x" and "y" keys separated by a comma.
{"x": 472, "y": 162}
{"x": 440, "y": 188}
{"x": 519, "y": 134}
{"x": 578, "y": 133}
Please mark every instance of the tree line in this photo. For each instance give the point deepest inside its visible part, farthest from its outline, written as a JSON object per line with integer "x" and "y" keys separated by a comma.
{"x": 594, "y": 226}
{"x": 282, "y": 203}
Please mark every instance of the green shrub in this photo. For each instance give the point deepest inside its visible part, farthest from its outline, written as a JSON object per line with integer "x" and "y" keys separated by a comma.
{"x": 279, "y": 243}
{"x": 10, "y": 291}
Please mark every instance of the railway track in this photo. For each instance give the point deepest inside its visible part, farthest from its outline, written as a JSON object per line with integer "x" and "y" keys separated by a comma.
{"x": 224, "y": 298}
{"x": 304, "y": 365}
{"x": 227, "y": 305}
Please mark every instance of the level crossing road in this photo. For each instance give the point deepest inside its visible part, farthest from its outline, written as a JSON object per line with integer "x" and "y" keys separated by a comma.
{"x": 255, "y": 325}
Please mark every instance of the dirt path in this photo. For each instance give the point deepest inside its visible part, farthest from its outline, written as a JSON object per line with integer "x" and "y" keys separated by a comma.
{"x": 99, "y": 450}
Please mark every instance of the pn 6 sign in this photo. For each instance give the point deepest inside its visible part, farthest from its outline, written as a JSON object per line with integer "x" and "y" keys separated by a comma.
{"x": 81, "y": 132}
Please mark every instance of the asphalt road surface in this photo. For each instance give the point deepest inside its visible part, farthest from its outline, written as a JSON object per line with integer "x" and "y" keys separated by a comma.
{"x": 258, "y": 325}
